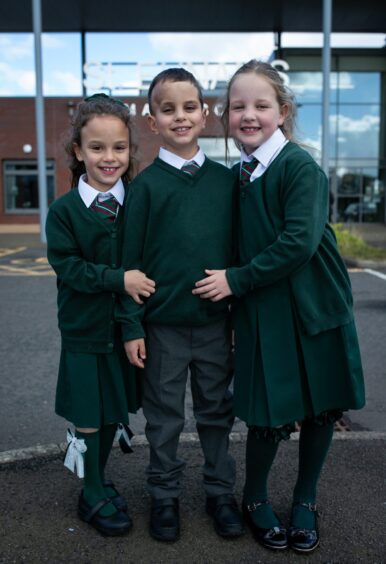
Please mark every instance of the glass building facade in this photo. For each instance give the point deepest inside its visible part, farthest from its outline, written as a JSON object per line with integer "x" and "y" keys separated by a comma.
{"x": 357, "y": 167}
{"x": 357, "y": 127}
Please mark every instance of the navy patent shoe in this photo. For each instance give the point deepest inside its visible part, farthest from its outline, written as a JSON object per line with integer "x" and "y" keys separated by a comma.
{"x": 304, "y": 540}
{"x": 274, "y": 538}
{"x": 117, "y": 500}
{"x": 115, "y": 525}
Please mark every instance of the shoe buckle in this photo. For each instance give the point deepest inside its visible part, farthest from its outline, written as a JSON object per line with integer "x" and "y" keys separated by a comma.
{"x": 309, "y": 506}
{"x": 255, "y": 504}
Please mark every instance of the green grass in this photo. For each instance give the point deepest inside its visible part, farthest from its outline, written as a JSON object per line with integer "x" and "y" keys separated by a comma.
{"x": 351, "y": 245}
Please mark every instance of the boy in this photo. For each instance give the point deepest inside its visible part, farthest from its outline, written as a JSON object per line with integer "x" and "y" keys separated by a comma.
{"x": 180, "y": 216}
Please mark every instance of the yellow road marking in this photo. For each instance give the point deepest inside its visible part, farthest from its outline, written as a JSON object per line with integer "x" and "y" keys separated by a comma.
{"x": 6, "y": 252}
{"x": 38, "y": 261}
{"x": 8, "y": 270}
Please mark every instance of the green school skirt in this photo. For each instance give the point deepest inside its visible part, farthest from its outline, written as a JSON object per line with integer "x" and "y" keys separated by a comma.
{"x": 96, "y": 389}
{"x": 282, "y": 374}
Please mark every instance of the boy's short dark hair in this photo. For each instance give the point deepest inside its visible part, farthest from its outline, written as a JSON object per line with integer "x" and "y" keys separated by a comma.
{"x": 174, "y": 75}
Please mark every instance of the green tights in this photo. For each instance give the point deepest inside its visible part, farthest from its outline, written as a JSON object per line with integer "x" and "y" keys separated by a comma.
{"x": 315, "y": 440}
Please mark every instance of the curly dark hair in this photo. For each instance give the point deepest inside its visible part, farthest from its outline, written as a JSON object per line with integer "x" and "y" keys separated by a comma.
{"x": 97, "y": 105}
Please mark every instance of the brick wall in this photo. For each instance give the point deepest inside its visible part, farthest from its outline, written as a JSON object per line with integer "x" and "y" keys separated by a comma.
{"x": 17, "y": 128}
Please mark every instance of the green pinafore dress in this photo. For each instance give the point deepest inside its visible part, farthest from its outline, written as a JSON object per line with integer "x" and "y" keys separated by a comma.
{"x": 95, "y": 389}
{"x": 282, "y": 373}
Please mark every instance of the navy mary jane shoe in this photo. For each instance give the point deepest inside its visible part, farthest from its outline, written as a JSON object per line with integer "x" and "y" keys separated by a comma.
{"x": 115, "y": 525}
{"x": 274, "y": 538}
{"x": 304, "y": 540}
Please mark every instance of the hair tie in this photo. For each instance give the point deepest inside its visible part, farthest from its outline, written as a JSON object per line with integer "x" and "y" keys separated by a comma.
{"x": 103, "y": 96}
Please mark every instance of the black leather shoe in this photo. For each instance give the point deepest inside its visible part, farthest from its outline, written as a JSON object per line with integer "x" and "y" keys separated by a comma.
{"x": 274, "y": 538}
{"x": 117, "y": 500}
{"x": 227, "y": 519}
{"x": 116, "y": 525}
{"x": 165, "y": 519}
{"x": 304, "y": 540}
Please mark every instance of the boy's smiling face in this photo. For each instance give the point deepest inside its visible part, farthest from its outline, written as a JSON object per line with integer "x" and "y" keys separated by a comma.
{"x": 177, "y": 117}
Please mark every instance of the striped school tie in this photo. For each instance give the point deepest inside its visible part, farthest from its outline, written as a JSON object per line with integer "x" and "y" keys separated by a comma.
{"x": 108, "y": 208}
{"x": 246, "y": 170}
{"x": 191, "y": 168}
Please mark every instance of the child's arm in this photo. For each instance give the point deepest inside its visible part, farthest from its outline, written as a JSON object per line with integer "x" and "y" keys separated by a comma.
{"x": 128, "y": 313}
{"x": 305, "y": 199}
{"x": 65, "y": 258}
{"x": 64, "y": 255}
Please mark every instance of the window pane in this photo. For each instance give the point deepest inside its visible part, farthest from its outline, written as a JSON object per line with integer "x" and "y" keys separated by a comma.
{"x": 21, "y": 186}
{"x": 359, "y": 87}
{"x": 357, "y": 131}
{"x": 309, "y": 131}
{"x": 308, "y": 86}
{"x": 361, "y": 195}
{"x": 214, "y": 148}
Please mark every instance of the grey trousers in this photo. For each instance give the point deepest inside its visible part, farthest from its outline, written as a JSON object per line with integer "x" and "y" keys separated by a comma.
{"x": 171, "y": 351}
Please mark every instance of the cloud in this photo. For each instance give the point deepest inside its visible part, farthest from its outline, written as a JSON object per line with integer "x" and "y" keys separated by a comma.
{"x": 352, "y": 133}
{"x": 63, "y": 83}
{"x": 16, "y": 48}
{"x": 313, "y": 82}
{"x": 50, "y": 41}
{"x": 349, "y": 125}
{"x": 218, "y": 47}
{"x": 23, "y": 79}
{"x": 376, "y": 40}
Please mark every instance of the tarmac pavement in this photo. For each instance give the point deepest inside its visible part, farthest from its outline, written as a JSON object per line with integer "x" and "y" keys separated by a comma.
{"x": 38, "y": 520}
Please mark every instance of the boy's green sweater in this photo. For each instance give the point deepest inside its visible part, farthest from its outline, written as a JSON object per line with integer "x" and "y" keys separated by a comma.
{"x": 179, "y": 226}
{"x": 85, "y": 252}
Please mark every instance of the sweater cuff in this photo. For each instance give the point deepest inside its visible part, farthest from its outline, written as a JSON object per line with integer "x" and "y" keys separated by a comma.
{"x": 113, "y": 280}
{"x": 239, "y": 280}
{"x": 132, "y": 331}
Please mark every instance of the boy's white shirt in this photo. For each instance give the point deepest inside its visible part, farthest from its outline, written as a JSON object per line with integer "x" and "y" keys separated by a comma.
{"x": 88, "y": 193}
{"x": 265, "y": 154}
{"x": 178, "y": 162}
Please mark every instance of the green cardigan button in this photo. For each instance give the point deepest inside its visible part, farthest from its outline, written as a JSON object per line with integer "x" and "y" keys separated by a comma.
{"x": 110, "y": 345}
{"x": 243, "y": 194}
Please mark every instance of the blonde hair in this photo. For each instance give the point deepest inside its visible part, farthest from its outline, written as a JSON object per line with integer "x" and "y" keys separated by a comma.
{"x": 284, "y": 96}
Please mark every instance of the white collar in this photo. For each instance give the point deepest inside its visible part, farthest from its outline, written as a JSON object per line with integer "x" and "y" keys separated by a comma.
{"x": 88, "y": 193}
{"x": 178, "y": 162}
{"x": 267, "y": 150}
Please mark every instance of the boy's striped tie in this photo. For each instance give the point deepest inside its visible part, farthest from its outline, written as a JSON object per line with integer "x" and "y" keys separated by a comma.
{"x": 191, "y": 168}
{"x": 108, "y": 208}
{"x": 246, "y": 170}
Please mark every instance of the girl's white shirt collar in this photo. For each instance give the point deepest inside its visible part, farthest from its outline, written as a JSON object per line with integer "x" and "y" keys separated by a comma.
{"x": 88, "y": 193}
{"x": 178, "y": 162}
{"x": 266, "y": 153}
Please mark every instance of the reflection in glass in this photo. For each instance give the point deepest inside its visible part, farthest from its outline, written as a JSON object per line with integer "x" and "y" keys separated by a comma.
{"x": 21, "y": 186}
{"x": 361, "y": 195}
{"x": 309, "y": 130}
{"x": 308, "y": 86}
{"x": 359, "y": 87}
{"x": 357, "y": 131}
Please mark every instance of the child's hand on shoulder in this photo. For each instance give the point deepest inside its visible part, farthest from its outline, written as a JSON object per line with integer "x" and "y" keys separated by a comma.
{"x": 138, "y": 284}
{"x": 214, "y": 287}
